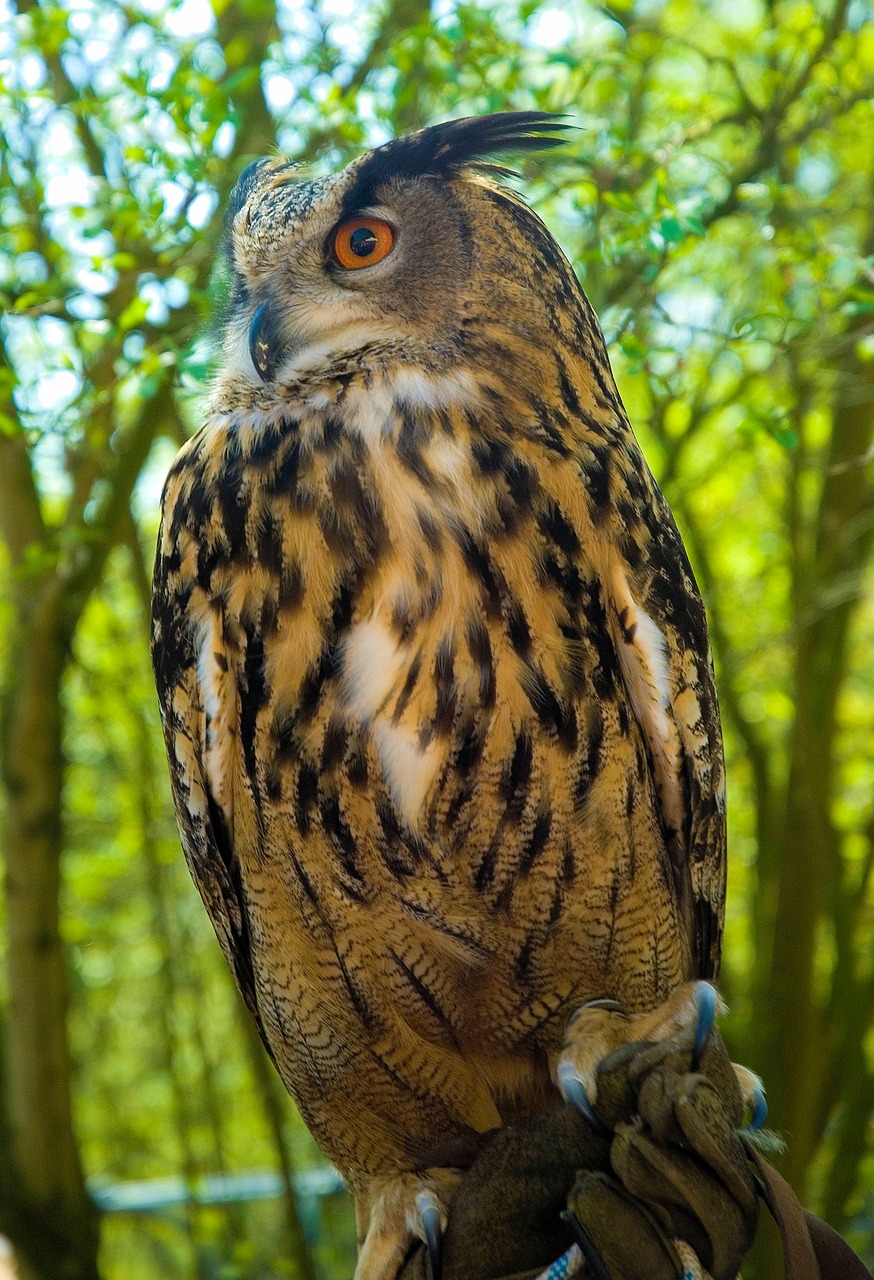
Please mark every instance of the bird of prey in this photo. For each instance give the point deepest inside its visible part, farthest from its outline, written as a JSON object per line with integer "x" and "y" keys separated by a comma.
{"x": 433, "y": 668}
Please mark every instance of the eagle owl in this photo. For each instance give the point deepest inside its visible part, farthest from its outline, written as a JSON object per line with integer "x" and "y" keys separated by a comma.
{"x": 433, "y": 668}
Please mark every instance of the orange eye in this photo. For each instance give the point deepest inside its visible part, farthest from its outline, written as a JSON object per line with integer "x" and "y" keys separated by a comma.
{"x": 362, "y": 242}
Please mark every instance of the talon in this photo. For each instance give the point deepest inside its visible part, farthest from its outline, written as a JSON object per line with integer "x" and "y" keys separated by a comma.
{"x": 429, "y": 1213}
{"x": 706, "y": 1003}
{"x": 759, "y": 1107}
{"x": 574, "y": 1091}
{"x": 603, "y": 1002}
{"x": 587, "y": 1249}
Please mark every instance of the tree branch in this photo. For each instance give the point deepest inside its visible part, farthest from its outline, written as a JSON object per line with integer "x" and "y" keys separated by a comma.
{"x": 21, "y": 520}
{"x": 85, "y": 558}
{"x": 831, "y": 31}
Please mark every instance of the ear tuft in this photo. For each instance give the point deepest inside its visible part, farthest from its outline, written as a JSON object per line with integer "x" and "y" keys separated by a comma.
{"x": 443, "y": 149}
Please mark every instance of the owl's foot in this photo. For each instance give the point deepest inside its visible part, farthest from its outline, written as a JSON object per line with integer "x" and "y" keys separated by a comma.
{"x": 401, "y": 1211}
{"x": 601, "y": 1026}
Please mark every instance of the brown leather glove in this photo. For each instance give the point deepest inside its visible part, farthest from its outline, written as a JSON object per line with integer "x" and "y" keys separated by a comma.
{"x": 678, "y": 1167}
{"x": 668, "y": 1164}
{"x": 505, "y": 1217}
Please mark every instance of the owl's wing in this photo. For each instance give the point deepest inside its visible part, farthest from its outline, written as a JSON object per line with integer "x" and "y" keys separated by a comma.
{"x": 660, "y": 633}
{"x": 205, "y": 837}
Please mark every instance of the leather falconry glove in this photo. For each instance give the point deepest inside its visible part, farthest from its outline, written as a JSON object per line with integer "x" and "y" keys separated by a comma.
{"x": 664, "y": 1162}
{"x": 678, "y": 1166}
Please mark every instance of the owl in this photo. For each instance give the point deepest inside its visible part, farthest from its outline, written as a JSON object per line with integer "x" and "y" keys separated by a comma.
{"x": 433, "y": 670}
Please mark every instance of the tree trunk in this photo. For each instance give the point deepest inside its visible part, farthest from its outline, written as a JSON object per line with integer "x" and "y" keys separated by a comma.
{"x": 52, "y": 1221}
{"x": 811, "y": 863}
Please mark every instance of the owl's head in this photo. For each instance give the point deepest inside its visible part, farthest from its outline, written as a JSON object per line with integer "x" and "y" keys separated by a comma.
{"x": 404, "y": 254}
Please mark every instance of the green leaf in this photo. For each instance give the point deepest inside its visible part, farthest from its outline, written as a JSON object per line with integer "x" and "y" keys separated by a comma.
{"x": 133, "y": 315}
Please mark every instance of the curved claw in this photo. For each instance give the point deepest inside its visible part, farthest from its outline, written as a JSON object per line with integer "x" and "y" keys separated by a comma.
{"x": 429, "y": 1214}
{"x": 705, "y": 1003}
{"x": 759, "y": 1107}
{"x": 603, "y": 1002}
{"x": 587, "y": 1248}
{"x": 574, "y": 1091}
{"x": 607, "y": 1003}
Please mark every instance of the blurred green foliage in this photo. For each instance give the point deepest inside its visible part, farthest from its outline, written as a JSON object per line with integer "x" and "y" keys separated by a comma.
{"x": 718, "y": 203}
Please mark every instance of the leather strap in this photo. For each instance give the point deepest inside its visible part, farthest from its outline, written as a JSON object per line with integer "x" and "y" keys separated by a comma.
{"x": 812, "y": 1250}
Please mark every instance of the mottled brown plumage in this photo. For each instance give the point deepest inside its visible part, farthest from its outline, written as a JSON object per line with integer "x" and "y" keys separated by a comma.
{"x": 433, "y": 667}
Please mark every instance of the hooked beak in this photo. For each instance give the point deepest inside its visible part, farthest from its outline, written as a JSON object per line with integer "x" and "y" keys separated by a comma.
{"x": 268, "y": 346}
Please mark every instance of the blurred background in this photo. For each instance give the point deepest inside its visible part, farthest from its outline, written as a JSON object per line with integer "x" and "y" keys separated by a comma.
{"x": 718, "y": 204}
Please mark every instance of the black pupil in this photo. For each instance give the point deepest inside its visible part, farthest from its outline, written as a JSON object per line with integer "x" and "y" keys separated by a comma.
{"x": 362, "y": 242}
